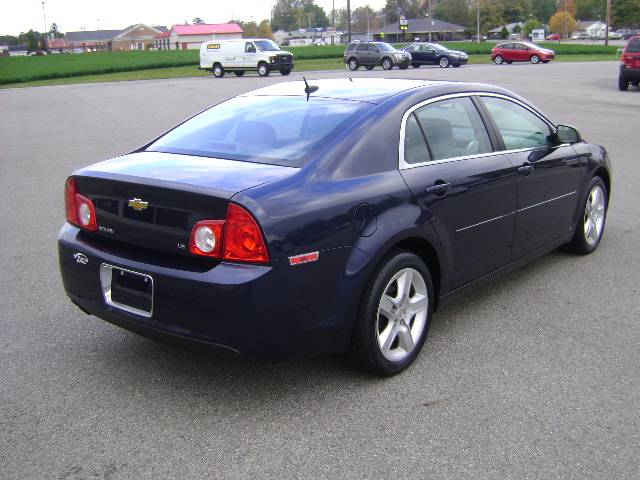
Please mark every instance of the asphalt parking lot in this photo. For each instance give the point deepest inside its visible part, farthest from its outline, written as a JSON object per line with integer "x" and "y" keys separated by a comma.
{"x": 534, "y": 376}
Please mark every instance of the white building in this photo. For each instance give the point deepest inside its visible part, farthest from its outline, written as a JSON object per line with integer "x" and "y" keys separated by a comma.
{"x": 183, "y": 37}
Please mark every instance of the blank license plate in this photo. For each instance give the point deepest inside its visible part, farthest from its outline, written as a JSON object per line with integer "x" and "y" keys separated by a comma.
{"x": 128, "y": 290}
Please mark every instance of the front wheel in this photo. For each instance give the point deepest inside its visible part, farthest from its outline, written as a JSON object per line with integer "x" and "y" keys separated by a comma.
{"x": 353, "y": 64}
{"x": 443, "y": 62}
{"x": 588, "y": 233}
{"x": 263, "y": 70}
{"x": 622, "y": 83}
{"x": 239, "y": 73}
{"x": 535, "y": 59}
{"x": 394, "y": 315}
{"x": 498, "y": 60}
{"x": 218, "y": 71}
{"x": 387, "y": 64}
{"x": 285, "y": 71}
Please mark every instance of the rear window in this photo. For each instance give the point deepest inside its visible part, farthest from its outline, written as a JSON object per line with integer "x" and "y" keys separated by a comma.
{"x": 634, "y": 46}
{"x": 263, "y": 129}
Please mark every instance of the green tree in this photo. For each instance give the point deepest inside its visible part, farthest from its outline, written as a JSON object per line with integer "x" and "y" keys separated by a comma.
{"x": 454, "y": 11}
{"x": 411, "y": 9}
{"x": 55, "y": 32}
{"x": 363, "y": 18}
{"x": 531, "y": 24}
{"x": 264, "y": 29}
{"x": 626, "y": 13}
{"x": 293, "y": 14}
{"x": 543, "y": 9}
{"x": 32, "y": 39}
{"x": 562, "y": 23}
{"x": 591, "y": 9}
{"x": 504, "y": 33}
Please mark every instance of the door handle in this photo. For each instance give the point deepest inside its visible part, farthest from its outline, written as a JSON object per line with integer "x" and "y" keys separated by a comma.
{"x": 525, "y": 169}
{"x": 438, "y": 188}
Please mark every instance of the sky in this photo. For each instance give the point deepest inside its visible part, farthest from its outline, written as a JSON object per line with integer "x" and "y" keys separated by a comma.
{"x": 70, "y": 15}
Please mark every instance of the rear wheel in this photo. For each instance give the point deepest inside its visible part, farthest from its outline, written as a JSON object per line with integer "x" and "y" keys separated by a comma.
{"x": 443, "y": 62}
{"x": 239, "y": 73}
{"x": 387, "y": 64}
{"x": 263, "y": 69}
{"x": 535, "y": 59}
{"x": 498, "y": 60}
{"x": 588, "y": 233}
{"x": 353, "y": 64}
{"x": 369, "y": 67}
{"x": 622, "y": 83}
{"x": 394, "y": 315}
{"x": 218, "y": 71}
{"x": 285, "y": 71}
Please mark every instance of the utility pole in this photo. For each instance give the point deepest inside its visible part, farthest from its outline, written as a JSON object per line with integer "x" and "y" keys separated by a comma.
{"x": 348, "y": 21}
{"x": 606, "y": 30}
{"x": 44, "y": 33}
{"x": 98, "y": 34}
{"x": 333, "y": 15}
{"x": 478, "y": 22}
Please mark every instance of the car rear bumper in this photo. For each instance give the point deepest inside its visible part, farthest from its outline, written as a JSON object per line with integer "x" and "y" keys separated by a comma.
{"x": 630, "y": 74}
{"x": 266, "y": 312}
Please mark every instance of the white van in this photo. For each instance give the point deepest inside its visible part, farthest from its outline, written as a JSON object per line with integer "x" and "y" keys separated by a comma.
{"x": 238, "y": 56}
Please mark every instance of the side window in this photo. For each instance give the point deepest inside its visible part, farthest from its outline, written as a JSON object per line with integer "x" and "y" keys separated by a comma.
{"x": 415, "y": 147}
{"x": 249, "y": 47}
{"x": 361, "y": 48}
{"x": 518, "y": 126}
{"x": 453, "y": 128}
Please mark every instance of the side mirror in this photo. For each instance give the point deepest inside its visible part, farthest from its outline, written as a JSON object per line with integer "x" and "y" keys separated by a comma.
{"x": 567, "y": 134}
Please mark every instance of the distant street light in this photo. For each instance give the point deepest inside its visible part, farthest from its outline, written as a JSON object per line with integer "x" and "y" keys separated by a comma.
{"x": 44, "y": 32}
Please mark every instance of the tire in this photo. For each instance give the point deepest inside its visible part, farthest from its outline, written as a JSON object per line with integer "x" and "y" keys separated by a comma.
{"x": 622, "y": 83}
{"x": 239, "y": 73}
{"x": 369, "y": 67}
{"x": 535, "y": 59}
{"x": 387, "y": 64}
{"x": 443, "y": 62}
{"x": 263, "y": 69}
{"x": 285, "y": 71}
{"x": 406, "y": 332}
{"x": 592, "y": 219}
{"x": 218, "y": 71}
{"x": 498, "y": 60}
{"x": 353, "y": 64}
{"x": 403, "y": 67}
{"x": 415, "y": 65}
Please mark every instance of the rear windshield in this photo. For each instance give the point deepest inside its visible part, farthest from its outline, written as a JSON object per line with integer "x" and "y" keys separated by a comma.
{"x": 263, "y": 129}
{"x": 634, "y": 46}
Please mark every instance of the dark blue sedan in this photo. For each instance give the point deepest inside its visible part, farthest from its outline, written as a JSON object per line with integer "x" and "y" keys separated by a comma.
{"x": 327, "y": 219}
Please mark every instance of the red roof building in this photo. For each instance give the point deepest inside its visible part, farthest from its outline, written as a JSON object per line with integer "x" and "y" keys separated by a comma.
{"x": 183, "y": 37}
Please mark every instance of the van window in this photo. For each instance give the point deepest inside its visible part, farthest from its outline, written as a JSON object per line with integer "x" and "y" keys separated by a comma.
{"x": 249, "y": 47}
{"x": 284, "y": 130}
{"x": 266, "y": 46}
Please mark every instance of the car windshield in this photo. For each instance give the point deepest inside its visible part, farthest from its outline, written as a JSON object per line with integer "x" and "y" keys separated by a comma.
{"x": 634, "y": 46}
{"x": 266, "y": 46}
{"x": 530, "y": 45}
{"x": 385, "y": 47}
{"x": 264, "y": 129}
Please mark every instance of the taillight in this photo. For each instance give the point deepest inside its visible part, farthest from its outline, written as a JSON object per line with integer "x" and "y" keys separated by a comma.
{"x": 79, "y": 209}
{"x": 627, "y": 60}
{"x": 238, "y": 238}
{"x": 206, "y": 238}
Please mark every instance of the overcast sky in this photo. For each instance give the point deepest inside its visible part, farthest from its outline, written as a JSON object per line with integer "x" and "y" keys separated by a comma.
{"x": 20, "y": 16}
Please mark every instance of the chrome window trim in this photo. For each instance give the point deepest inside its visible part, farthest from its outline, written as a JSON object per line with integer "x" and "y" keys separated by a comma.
{"x": 106, "y": 272}
{"x": 403, "y": 165}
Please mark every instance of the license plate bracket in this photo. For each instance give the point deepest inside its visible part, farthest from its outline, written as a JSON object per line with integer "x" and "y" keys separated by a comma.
{"x": 127, "y": 290}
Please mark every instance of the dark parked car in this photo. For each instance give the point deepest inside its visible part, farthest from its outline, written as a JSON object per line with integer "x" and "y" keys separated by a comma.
{"x": 630, "y": 67}
{"x": 521, "y": 52}
{"x": 372, "y": 54}
{"x": 334, "y": 220}
{"x": 434, "y": 54}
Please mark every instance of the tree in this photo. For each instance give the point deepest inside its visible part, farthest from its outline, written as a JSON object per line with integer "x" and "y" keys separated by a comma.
{"x": 197, "y": 21}
{"x": 410, "y": 8}
{"x": 530, "y": 25}
{"x": 364, "y": 19}
{"x": 294, "y": 14}
{"x": 264, "y": 29}
{"x": 626, "y": 13}
{"x": 504, "y": 33}
{"x": 591, "y": 9}
{"x": 454, "y": 11}
{"x": 544, "y": 9}
{"x": 562, "y": 23}
{"x": 55, "y": 32}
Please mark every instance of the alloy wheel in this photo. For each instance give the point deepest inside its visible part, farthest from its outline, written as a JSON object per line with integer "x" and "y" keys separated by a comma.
{"x": 535, "y": 59}
{"x": 444, "y": 62}
{"x": 402, "y": 314}
{"x": 594, "y": 212}
{"x": 353, "y": 64}
{"x": 386, "y": 64}
{"x": 498, "y": 60}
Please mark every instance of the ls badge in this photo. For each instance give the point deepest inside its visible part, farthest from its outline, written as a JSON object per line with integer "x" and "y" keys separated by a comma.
{"x": 81, "y": 258}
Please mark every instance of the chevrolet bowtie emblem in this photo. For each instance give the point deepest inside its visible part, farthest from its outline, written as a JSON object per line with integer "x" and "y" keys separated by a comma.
{"x": 138, "y": 204}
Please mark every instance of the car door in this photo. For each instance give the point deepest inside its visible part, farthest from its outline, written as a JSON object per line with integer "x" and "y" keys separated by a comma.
{"x": 467, "y": 191}
{"x": 416, "y": 54}
{"x": 510, "y": 52}
{"x": 548, "y": 174}
{"x": 429, "y": 54}
{"x": 250, "y": 55}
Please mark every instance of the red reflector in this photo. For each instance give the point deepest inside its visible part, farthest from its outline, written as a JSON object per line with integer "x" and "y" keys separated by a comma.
{"x": 243, "y": 239}
{"x": 304, "y": 258}
{"x": 206, "y": 238}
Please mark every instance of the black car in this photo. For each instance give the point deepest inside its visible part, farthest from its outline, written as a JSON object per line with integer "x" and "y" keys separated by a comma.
{"x": 336, "y": 217}
{"x": 434, "y": 54}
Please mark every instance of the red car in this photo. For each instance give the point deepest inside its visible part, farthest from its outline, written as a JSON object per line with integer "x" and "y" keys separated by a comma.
{"x": 630, "y": 68}
{"x": 554, "y": 37}
{"x": 521, "y": 52}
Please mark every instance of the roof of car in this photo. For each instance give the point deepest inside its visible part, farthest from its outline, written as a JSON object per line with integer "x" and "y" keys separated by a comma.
{"x": 372, "y": 90}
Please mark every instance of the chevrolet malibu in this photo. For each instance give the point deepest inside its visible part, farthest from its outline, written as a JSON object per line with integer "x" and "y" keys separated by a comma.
{"x": 331, "y": 218}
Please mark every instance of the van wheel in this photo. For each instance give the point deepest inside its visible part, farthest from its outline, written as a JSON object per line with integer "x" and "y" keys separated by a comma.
{"x": 263, "y": 69}
{"x": 285, "y": 71}
{"x": 387, "y": 64}
{"x": 239, "y": 73}
{"x": 394, "y": 316}
{"x": 353, "y": 64}
{"x": 218, "y": 71}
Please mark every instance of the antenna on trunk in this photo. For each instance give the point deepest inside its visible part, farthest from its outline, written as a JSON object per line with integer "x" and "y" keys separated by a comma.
{"x": 309, "y": 89}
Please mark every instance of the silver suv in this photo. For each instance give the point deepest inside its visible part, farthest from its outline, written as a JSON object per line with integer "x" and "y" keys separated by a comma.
{"x": 372, "y": 54}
